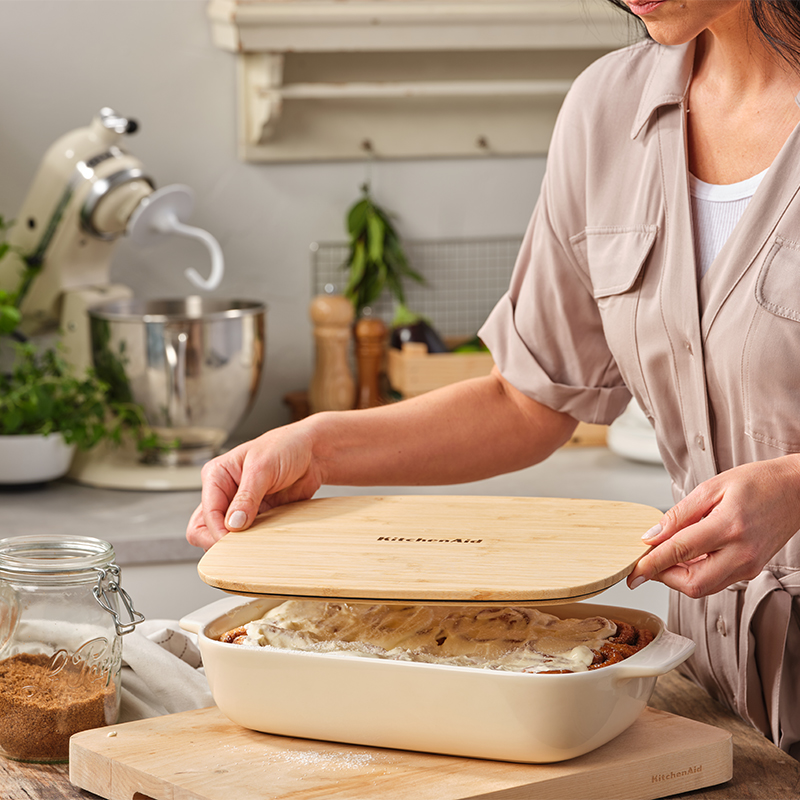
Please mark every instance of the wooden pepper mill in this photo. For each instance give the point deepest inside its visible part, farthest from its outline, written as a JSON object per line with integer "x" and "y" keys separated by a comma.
{"x": 370, "y": 344}
{"x": 332, "y": 385}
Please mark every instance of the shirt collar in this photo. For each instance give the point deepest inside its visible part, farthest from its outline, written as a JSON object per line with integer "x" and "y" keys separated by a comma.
{"x": 668, "y": 82}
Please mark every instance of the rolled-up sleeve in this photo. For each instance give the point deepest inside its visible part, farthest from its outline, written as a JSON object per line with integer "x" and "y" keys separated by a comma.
{"x": 546, "y": 334}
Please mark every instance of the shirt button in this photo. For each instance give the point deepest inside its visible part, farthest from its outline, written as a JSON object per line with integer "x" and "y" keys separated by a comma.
{"x": 688, "y": 346}
{"x": 700, "y": 441}
{"x": 721, "y": 629}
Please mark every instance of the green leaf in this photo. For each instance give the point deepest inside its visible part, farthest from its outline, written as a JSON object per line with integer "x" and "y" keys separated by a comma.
{"x": 376, "y": 230}
{"x": 395, "y": 252}
{"x": 372, "y": 291}
{"x": 12, "y": 421}
{"x": 395, "y": 287}
{"x": 9, "y": 319}
{"x": 357, "y": 218}
{"x": 386, "y": 220}
{"x": 358, "y": 264}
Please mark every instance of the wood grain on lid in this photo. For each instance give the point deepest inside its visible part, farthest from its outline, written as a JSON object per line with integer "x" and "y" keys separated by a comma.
{"x": 432, "y": 548}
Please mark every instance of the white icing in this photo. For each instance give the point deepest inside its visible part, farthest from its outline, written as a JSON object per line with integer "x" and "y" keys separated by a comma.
{"x": 511, "y": 638}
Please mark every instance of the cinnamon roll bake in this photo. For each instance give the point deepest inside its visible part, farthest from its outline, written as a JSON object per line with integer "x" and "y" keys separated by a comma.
{"x": 512, "y": 638}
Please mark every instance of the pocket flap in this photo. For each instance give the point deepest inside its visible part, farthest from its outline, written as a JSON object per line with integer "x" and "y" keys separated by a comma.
{"x": 778, "y": 284}
{"x": 614, "y": 255}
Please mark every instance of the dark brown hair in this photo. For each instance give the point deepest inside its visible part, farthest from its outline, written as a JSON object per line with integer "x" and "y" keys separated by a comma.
{"x": 777, "y": 21}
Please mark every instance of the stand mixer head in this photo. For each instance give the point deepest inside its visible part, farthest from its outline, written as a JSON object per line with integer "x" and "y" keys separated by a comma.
{"x": 88, "y": 193}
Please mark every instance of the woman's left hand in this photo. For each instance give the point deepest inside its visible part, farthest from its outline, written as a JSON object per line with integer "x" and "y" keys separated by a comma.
{"x": 724, "y": 531}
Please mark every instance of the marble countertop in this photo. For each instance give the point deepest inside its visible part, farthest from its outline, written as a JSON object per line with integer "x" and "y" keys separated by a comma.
{"x": 149, "y": 526}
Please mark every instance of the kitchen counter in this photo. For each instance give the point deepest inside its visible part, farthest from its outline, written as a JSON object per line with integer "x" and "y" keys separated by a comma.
{"x": 760, "y": 770}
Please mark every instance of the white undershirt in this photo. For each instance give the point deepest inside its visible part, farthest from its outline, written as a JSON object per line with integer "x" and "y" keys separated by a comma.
{"x": 715, "y": 210}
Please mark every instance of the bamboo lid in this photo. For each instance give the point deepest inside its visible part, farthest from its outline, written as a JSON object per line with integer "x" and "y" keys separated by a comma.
{"x": 433, "y": 549}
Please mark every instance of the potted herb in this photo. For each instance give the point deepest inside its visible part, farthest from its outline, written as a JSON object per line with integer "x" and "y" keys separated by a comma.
{"x": 46, "y": 409}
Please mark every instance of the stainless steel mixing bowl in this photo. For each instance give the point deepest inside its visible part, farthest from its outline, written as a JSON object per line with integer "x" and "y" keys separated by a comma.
{"x": 192, "y": 364}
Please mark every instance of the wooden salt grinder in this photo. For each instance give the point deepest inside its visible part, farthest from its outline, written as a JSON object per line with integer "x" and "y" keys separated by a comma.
{"x": 370, "y": 343}
{"x": 332, "y": 385}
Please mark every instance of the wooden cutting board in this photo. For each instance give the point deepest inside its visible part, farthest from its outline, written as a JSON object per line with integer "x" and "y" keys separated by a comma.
{"x": 201, "y": 755}
{"x": 428, "y": 548}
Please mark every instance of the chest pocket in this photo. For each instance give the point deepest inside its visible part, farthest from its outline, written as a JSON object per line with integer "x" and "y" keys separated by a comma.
{"x": 771, "y": 357}
{"x": 613, "y": 258}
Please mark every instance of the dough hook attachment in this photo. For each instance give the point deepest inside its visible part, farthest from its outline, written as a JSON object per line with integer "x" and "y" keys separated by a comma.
{"x": 162, "y": 214}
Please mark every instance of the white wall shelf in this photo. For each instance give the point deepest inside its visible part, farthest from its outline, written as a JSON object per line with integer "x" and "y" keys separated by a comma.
{"x": 353, "y": 79}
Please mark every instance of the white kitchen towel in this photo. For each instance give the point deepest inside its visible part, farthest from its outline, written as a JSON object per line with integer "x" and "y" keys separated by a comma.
{"x": 161, "y": 672}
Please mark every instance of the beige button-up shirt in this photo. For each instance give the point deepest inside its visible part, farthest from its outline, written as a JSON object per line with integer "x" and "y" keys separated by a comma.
{"x": 605, "y": 303}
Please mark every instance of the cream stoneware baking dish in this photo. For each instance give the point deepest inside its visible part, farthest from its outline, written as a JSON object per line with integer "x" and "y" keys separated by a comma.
{"x": 461, "y": 711}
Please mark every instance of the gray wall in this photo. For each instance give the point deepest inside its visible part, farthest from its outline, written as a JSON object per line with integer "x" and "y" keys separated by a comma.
{"x": 62, "y": 60}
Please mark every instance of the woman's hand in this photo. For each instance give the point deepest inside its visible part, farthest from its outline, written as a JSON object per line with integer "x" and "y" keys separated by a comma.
{"x": 273, "y": 469}
{"x": 724, "y": 531}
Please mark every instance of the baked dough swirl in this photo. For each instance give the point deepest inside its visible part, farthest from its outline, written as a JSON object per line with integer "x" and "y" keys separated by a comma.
{"x": 511, "y": 638}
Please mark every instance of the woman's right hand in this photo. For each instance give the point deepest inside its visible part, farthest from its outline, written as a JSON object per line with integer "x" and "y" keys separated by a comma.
{"x": 276, "y": 468}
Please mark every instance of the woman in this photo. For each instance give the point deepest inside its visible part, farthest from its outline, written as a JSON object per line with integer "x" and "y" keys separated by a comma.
{"x": 662, "y": 262}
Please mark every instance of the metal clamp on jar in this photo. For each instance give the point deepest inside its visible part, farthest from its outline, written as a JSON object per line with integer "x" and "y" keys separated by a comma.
{"x": 60, "y": 642}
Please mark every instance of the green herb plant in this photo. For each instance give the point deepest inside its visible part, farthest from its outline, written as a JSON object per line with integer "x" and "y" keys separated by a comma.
{"x": 42, "y": 394}
{"x": 376, "y": 261}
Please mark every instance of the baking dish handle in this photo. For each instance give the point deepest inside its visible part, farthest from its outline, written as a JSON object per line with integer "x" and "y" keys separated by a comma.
{"x": 661, "y": 657}
{"x": 195, "y": 621}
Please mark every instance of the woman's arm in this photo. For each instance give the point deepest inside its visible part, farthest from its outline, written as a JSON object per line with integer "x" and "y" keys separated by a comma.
{"x": 463, "y": 432}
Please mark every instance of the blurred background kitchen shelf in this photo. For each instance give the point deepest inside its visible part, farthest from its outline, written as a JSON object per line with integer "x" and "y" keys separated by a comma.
{"x": 417, "y": 78}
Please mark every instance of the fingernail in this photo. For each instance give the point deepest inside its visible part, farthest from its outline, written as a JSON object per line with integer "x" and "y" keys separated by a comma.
{"x": 637, "y": 582}
{"x": 654, "y": 531}
{"x": 237, "y": 519}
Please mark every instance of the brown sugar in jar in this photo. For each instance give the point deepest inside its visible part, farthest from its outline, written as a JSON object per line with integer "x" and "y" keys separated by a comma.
{"x": 40, "y": 709}
{"x": 60, "y": 642}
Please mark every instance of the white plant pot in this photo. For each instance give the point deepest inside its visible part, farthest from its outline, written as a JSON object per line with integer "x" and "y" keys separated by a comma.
{"x": 34, "y": 458}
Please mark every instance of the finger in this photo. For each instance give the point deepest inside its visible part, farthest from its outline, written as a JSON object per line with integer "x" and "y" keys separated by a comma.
{"x": 194, "y": 526}
{"x": 682, "y": 579}
{"x": 197, "y": 533}
{"x": 703, "y": 576}
{"x": 683, "y": 547}
{"x": 261, "y": 478}
{"x": 689, "y": 511}
{"x": 656, "y": 534}
{"x": 219, "y": 483}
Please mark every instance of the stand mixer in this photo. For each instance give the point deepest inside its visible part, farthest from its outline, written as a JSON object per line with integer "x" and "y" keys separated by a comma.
{"x": 87, "y": 193}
